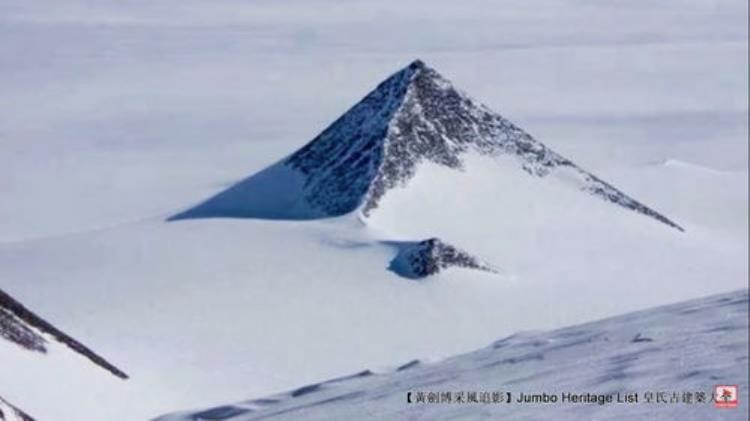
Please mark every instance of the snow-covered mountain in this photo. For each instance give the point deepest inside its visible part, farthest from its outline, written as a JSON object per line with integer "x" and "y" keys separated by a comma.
{"x": 667, "y": 358}
{"x": 201, "y": 310}
{"x": 114, "y": 118}
{"x": 413, "y": 117}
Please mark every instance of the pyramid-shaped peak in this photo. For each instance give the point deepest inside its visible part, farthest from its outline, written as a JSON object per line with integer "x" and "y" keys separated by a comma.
{"x": 413, "y": 117}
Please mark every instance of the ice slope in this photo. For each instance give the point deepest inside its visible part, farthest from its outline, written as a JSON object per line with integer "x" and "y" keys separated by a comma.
{"x": 681, "y": 348}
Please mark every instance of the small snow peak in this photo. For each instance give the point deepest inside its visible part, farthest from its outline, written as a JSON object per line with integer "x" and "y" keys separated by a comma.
{"x": 417, "y": 260}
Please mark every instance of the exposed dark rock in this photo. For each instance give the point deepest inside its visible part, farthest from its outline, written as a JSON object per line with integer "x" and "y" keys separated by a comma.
{"x": 9, "y": 412}
{"x": 16, "y": 330}
{"x": 24, "y": 328}
{"x": 428, "y": 257}
{"x": 640, "y": 338}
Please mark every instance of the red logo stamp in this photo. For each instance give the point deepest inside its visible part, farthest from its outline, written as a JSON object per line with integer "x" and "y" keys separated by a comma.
{"x": 725, "y": 396}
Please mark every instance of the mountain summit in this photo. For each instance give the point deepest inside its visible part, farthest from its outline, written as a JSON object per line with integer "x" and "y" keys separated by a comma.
{"x": 413, "y": 117}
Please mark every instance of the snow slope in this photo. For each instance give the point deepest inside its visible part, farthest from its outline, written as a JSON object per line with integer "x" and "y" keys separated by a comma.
{"x": 114, "y": 117}
{"x": 681, "y": 348}
{"x": 204, "y": 310}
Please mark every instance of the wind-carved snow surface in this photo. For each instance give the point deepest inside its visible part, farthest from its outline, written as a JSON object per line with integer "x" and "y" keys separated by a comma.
{"x": 681, "y": 348}
{"x": 428, "y": 257}
{"x": 414, "y": 116}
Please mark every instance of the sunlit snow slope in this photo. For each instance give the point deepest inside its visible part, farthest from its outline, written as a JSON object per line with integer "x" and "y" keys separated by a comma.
{"x": 685, "y": 348}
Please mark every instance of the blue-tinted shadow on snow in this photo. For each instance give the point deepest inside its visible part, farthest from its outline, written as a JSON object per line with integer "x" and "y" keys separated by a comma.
{"x": 400, "y": 264}
{"x": 273, "y": 193}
